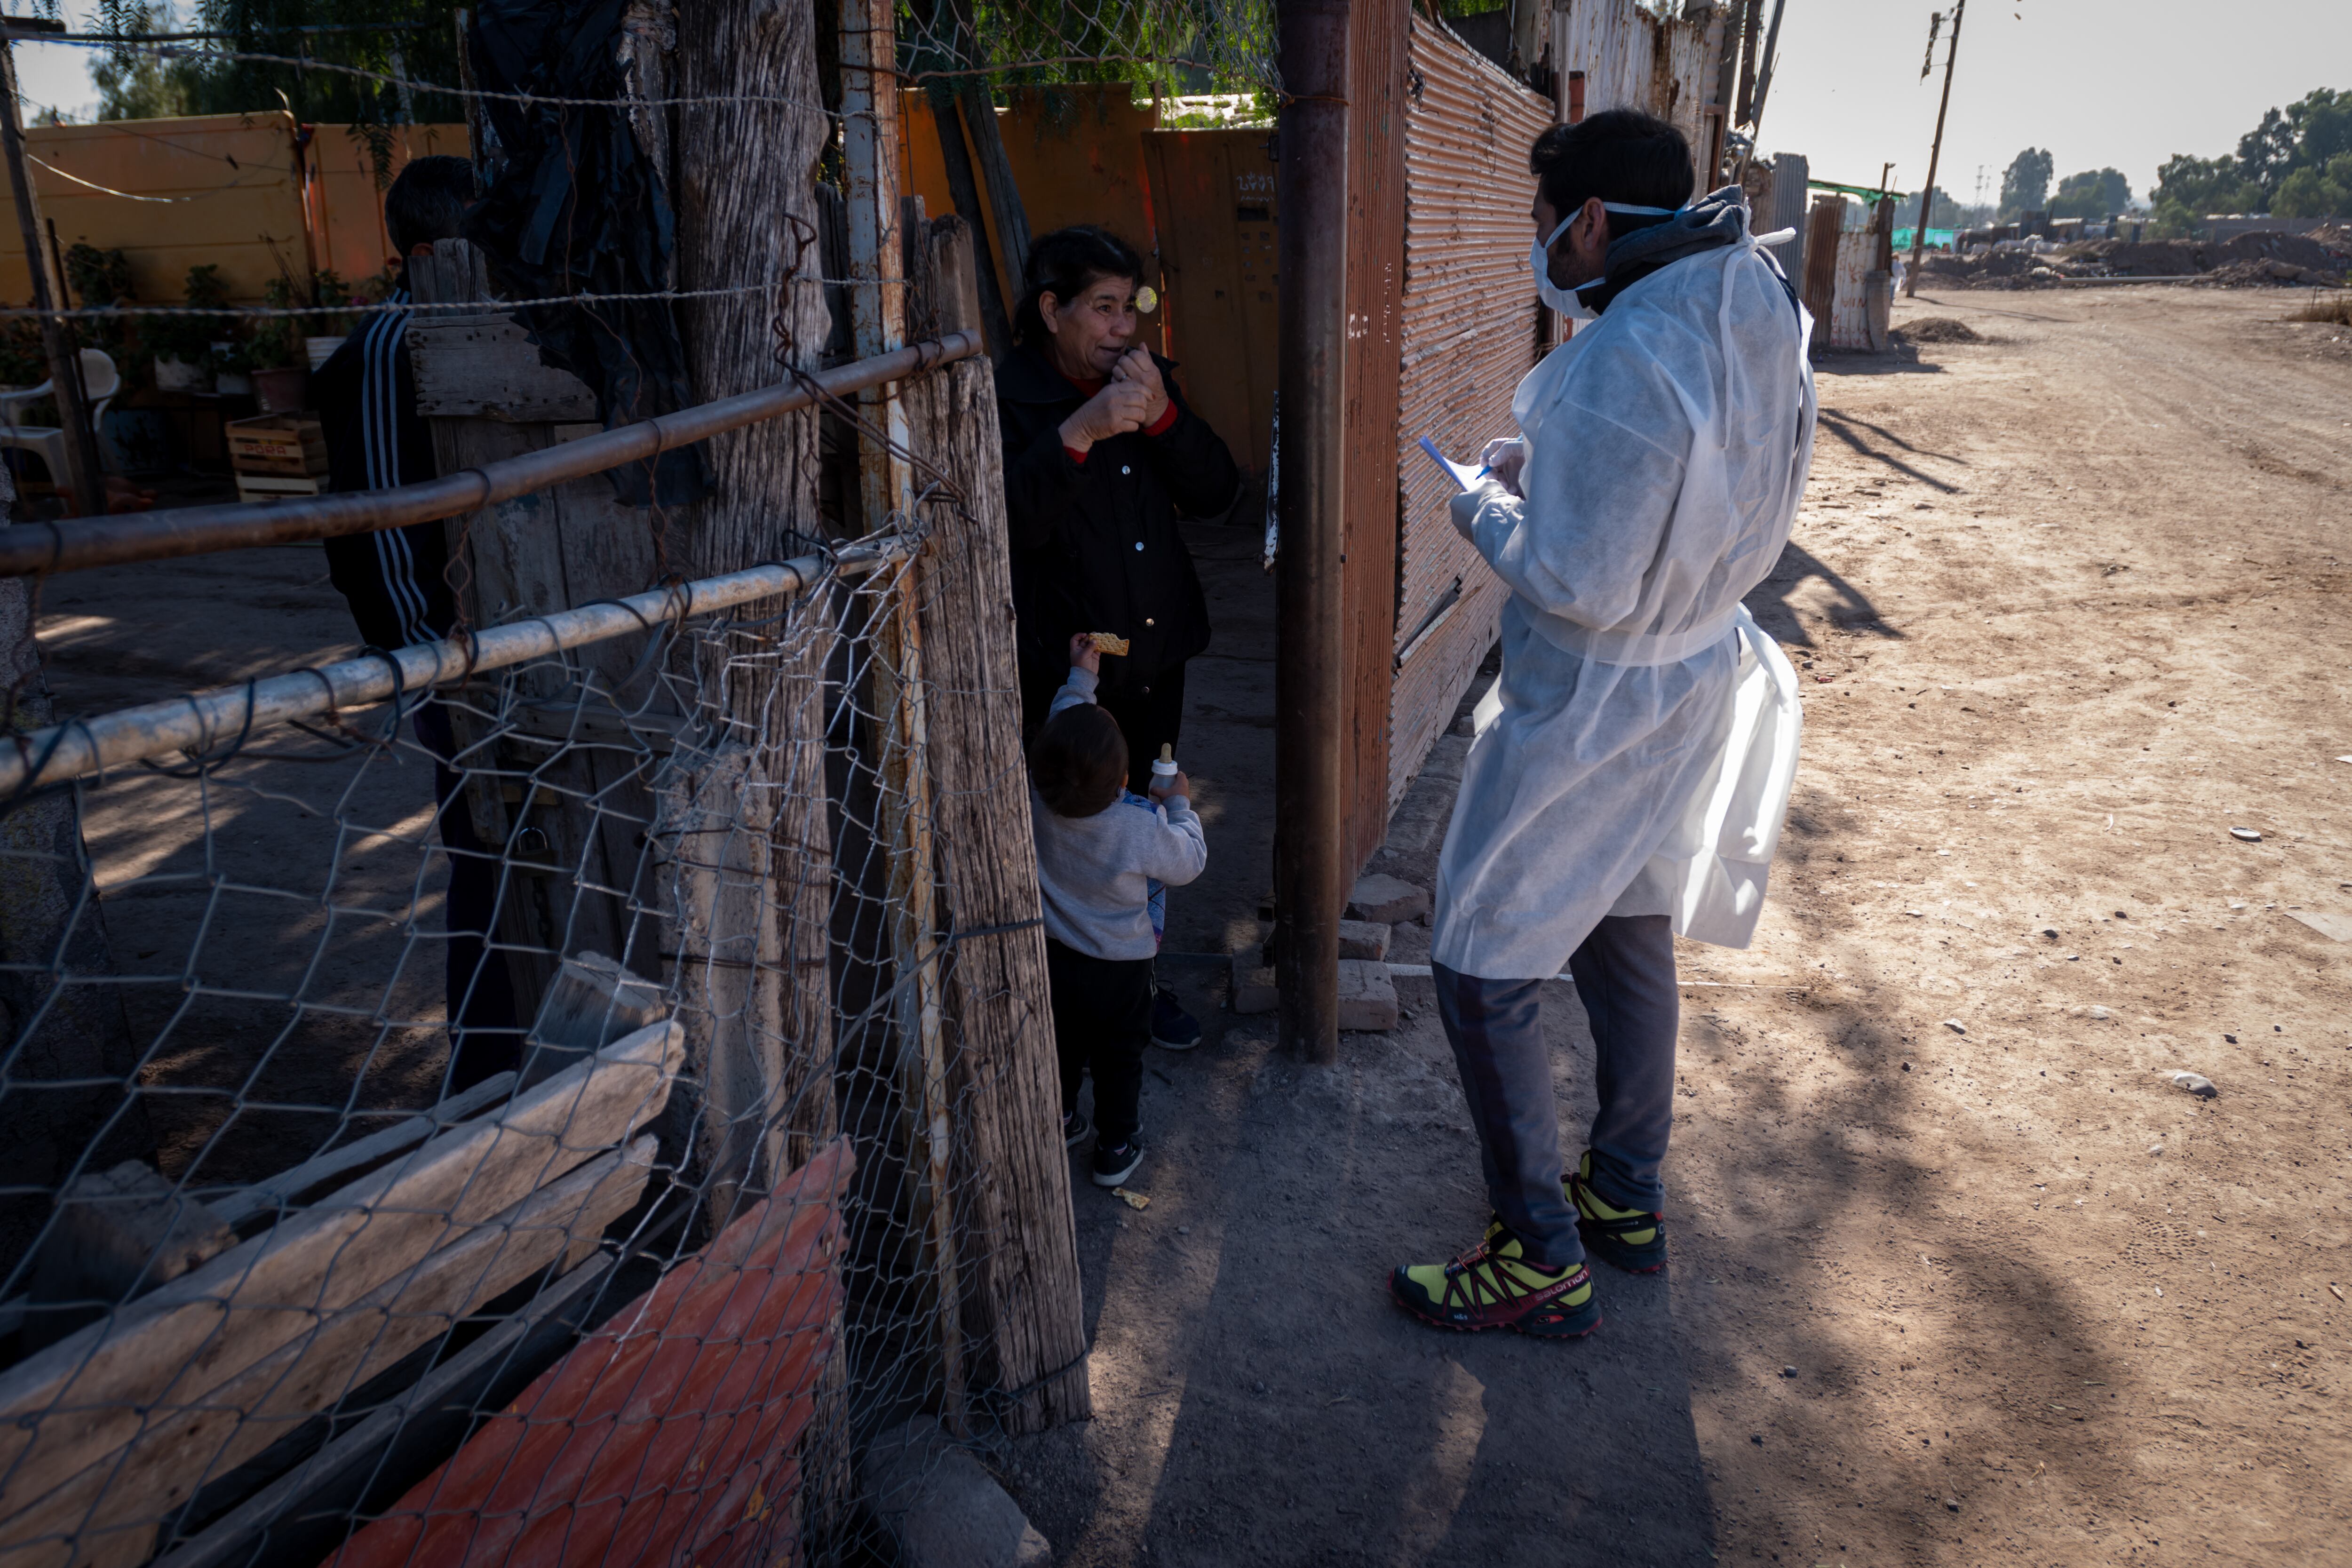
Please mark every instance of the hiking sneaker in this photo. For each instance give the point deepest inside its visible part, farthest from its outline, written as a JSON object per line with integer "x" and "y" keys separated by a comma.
{"x": 1489, "y": 1288}
{"x": 1172, "y": 1028}
{"x": 1115, "y": 1163}
{"x": 1631, "y": 1239}
{"x": 1075, "y": 1128}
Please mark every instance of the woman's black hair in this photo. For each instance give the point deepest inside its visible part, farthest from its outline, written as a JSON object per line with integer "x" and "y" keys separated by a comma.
{"x": 1079, "y": 761}
{"x": 1065, "y": 264}
{"x": 1619, "y": 155}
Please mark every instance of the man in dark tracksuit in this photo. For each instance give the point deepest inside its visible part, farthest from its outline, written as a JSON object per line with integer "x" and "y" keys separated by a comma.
{"x": 396, "y": 583}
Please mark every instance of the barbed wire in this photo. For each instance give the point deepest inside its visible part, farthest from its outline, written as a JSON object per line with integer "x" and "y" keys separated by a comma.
{"x": 447, "y": 307}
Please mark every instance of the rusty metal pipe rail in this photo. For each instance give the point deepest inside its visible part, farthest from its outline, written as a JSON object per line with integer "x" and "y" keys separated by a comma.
{"x": 43, "y": 547}
{"x": 205, "y": 720}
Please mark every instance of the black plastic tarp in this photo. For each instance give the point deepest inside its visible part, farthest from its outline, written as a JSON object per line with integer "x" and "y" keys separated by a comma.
{"x": 573, "y": 206}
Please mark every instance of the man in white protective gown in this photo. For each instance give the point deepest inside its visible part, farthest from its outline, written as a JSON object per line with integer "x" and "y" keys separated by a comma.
{"x": 1634, "y": 760}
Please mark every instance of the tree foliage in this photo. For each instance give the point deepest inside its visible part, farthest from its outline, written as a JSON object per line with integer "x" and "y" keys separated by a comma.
{"x": 2094, "y": 194}
{"x": 399, "y": 38}
{"x": 2292, "y": 163}
{"x": 2025, "y": 184}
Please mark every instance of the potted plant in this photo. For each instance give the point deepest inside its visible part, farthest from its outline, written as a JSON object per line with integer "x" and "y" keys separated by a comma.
{"x": 281, "y": 368}
{"x": 183, "y": 344}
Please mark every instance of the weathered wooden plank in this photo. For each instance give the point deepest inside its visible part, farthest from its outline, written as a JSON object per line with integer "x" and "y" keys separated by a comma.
{"x": 289, "y": 1187}
{"x": 87, "y": 1520}
{"x": 568, "y": 821}
{"x": 659, "y": 1430}
{"x": 86, "y": 1396}
{"x": 432, "y": 1411}
{"x": 487, "y": 367}
{"x": 1024, "y": 1313}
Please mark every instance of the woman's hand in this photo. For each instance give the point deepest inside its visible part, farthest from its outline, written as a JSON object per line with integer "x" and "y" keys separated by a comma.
{"x": 1119, "y": 408}
{"x": 1137, "y": 365}
{"x": 1084, "y": 655}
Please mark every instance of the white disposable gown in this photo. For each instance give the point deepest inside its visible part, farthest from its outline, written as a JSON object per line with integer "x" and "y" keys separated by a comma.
{"x": 1636, "y": 754}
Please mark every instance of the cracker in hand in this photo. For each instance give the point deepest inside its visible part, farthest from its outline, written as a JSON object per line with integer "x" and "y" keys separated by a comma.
{"x": 1106, "y": 642}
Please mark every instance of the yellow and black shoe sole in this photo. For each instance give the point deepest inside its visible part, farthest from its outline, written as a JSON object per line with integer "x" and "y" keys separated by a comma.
{"x": 1550, "y": 1321}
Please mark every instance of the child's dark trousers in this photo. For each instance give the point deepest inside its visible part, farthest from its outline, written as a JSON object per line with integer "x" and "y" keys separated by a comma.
{"x": 1102, "y": 1019}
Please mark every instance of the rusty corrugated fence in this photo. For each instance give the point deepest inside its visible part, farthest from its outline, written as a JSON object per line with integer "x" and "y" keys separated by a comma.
{"x": 1470, "y": 324}
{"x": 1376, "y": 259}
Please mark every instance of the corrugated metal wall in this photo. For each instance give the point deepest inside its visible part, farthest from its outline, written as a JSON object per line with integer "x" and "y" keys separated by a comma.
{"x": 1376, "y": 264}
{"x": 1633, "y": 59}
{"x": 1469, "y": 334}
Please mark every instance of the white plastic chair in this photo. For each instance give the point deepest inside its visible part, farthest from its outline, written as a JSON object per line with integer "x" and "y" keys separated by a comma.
{"x": 100, "y": 380}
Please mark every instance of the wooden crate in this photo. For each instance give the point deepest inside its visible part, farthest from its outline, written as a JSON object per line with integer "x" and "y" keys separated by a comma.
{"x": 280, "y": 444}
{"x": 270, "y": 487}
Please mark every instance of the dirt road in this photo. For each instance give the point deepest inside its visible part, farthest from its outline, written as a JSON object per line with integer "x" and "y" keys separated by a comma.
{"x": 2072, "y": 606}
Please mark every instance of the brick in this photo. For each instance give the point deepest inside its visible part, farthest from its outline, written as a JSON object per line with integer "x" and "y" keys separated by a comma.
{"x": 1358, "y": 938}
{"x": 1387, "y": 900}
{"x": 1368, "y": 998}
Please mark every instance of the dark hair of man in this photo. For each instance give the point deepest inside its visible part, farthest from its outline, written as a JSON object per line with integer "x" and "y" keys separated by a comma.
{"x": 428, "y": 202}
{"x": 1619, "y": 155}
{"x": 1079, "y": 761}
{"x": 1065, "y": 264}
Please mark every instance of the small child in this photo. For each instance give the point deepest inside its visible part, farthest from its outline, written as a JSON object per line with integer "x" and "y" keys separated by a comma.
{"x": 1102, "y": 856}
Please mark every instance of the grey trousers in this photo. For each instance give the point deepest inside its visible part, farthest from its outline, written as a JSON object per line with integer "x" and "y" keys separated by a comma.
{"x": 1624, "y": 975}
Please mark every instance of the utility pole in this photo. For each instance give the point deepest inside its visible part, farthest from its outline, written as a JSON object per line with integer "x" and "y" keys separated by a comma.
{"x": 1311, "y": 658}
{"x": 1763, "y": 86}
{"x": 1935, "y": 154}
{"x": 48, "y": 288}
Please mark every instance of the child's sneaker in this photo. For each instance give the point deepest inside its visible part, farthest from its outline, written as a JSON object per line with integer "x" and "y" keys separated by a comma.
{"x": 1631, "y": 1239}
{"x": 1075, "y": 1128}
{"x": 1113, "y": 1165}
{"x": 1489, "y": 1287}
{"x": 1172, "y": 1028}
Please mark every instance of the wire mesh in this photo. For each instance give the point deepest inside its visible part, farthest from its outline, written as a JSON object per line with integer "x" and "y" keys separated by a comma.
{"x": 492, "y": 1124}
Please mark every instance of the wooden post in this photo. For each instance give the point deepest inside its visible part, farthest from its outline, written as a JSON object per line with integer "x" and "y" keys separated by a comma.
{"x": 869, "y": 104}
{"x": 1025, "y": 1314}
{"x": 49, "y": 294}
{"x": 748, "y": 212}
{"x": 1935, "y": 154}
{"x": 481, "y": 386}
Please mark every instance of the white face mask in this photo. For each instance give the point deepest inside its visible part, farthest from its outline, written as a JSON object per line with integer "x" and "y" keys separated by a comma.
{"x": 1565, "y": 301}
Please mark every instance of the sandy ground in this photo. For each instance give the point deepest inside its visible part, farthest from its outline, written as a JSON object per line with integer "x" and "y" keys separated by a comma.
{"x": 2072, "y": 602}
{"x": 2074, "y": 597}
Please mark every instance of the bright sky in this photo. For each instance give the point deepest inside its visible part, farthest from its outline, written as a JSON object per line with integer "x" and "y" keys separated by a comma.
{"x": 2098, "y": 82}
{"x": 57, "y": 76}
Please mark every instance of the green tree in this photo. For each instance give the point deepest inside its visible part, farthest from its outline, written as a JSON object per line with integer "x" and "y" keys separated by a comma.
{"x": 2188, "y": 187}
{"x": 139, "y": 84}
{"x": 2092, "y": 193}
{"x": 400, "y": 38}
{"x": 2316, "y": 190}
{"x": 2025, "y": 184}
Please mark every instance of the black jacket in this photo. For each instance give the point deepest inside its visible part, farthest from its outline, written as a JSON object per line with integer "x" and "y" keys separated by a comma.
{"x": 1094, "y": 546}
{"x": 396, "y": 580}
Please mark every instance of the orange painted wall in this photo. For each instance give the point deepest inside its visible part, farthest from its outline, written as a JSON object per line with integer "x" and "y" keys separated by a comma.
{"x": 222, "y": 188}
{"x": 1076, "y": 155}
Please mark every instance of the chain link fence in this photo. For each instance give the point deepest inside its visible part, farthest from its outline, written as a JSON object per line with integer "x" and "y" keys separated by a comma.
{"x": 541, "y": 1114}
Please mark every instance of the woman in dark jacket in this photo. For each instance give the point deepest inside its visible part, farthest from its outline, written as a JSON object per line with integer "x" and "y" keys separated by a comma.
{"x": 1101, "y": 456}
